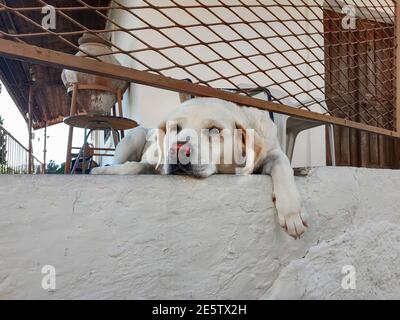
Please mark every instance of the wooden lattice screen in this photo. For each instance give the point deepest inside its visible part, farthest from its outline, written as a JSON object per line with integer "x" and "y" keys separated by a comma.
{"x": 308, "y": 53}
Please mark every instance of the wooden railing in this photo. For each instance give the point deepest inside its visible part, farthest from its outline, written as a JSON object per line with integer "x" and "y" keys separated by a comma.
{"x": 338, "y": 54}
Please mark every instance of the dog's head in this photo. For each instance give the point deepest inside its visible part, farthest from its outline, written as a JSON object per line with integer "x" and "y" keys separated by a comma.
{"x": 205, "y": 136}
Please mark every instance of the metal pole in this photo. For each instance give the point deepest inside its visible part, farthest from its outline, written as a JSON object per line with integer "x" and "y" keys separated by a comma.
{"x": 30, "y": 151}
{"x": 45, "y": 149}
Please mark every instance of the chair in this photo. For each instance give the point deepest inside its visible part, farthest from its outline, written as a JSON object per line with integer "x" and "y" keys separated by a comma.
{"x": 290, "y": 127}
{"x": 84, "y": 163}
{"x": 116, "y": 124}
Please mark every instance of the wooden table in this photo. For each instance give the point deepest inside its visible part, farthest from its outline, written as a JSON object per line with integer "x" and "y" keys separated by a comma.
{"x": 97, "y": 122}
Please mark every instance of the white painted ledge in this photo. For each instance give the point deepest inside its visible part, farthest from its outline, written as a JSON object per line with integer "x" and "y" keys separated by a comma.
{"x": 152, "y": 237}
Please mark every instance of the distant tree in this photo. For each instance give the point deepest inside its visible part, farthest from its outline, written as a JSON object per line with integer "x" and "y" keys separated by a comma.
{"x": 3, "y": 145}
{"x": 61, "y": 170}
{"x": 52, "y": 167}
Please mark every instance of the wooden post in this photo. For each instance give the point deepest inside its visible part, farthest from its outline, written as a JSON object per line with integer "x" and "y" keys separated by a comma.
{"x": 45, "y": 149}
{"x": 397, "y": 97}
{"x": 73, "y": 110}
{"x": 30, "y": 151}
{"x": 397, "y": 39}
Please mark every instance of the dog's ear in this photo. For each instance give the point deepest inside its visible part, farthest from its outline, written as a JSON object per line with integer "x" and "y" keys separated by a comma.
{"x": 239, "y": 126}
{"x": 251, "y": 145}
{"x": 169, "y": 126}
{"x": 163, "y": 126}
{"x": 166, "y": 129}
{"x": 162, "y": 129}
{"x": 183, "y": 97}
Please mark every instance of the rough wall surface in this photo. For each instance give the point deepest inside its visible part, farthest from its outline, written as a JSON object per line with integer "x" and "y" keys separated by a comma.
{"x": 152, "y": 237}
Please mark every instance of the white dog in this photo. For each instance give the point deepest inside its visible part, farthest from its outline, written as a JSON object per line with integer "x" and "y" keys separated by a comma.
{"x": 202, "y": 120}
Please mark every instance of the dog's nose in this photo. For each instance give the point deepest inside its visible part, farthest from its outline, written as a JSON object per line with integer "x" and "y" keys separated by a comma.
{"x": 181, "y": 147}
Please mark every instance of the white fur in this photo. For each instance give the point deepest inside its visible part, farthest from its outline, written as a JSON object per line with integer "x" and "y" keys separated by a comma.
{"x": 135, "y": 154}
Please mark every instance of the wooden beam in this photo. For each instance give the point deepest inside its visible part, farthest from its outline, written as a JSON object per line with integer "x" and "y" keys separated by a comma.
{"x": 61, "y": 60}
{"x": 52, "y": 122}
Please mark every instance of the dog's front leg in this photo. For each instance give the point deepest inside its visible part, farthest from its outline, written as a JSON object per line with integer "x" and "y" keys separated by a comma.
{"x": 286, "y": 196}
{"x": 128, "y": 168}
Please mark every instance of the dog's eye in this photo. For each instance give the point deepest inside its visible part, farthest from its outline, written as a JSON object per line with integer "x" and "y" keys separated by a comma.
{"x": 214, "y": 132}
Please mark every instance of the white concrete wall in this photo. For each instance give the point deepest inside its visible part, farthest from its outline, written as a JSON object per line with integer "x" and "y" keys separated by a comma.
{"x": 152, "y": 237}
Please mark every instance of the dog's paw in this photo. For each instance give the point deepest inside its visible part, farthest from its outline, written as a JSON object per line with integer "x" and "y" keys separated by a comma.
{"x": 98, "y": 171}
{"x": 293, "y": 219}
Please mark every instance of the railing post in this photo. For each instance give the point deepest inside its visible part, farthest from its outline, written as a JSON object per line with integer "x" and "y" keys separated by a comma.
{"x": 30, "y": 151}
{"x": 397, "y": 84}
{"x": 397, "y": 39}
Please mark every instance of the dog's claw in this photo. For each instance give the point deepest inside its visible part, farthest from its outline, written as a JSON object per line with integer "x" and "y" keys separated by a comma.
{"x": 292, "y": 221}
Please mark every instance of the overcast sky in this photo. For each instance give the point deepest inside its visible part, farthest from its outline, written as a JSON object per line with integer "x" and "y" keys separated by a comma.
{"x": 16, "y": 125}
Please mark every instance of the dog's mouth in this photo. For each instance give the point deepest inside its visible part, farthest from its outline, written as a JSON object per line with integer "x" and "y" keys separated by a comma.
{"x": 191, "y": 170}
{"x": 180, "y": 169}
